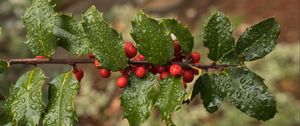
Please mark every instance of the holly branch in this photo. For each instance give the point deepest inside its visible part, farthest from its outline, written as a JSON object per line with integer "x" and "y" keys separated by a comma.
{"x": 72, "y": 61}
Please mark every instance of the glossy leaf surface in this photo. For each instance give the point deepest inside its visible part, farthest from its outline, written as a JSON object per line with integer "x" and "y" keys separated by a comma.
{"x": 231, "y": 58}
{"x": 24, "y": 105}
{"x": 62, "y": 92}
{"x": 211, "y": 95}
{"x": 153, "y": 40}
{"x": 138, "y": 98}
{"x": 104, "y": 42}
{"x": 39, "y": 20}
{"x": 247, "y": 91}
{"x": 182, "y": 33}
{"x": 71, "y": 35}
{"x": 218, "y": 36}
{"x": 258, "y": 40}
{"x": 171, "y": 95}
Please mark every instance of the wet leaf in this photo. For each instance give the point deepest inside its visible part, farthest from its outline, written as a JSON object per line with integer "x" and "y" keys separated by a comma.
{"x": 211, "y": 95}
{"x": 152, "y": 39}
{"x": 104, "y": 42}
{"x": 62, "y": 92}
{"x": 196, "y": 89}
{"x": 39, "y": 20}
{"x": 231, "y": 58}
{"x": 138, "y": 98}
{"x": 171, "y": 95}
{"x": 24, "y": 105}
{"x": 182, "y": 33}
{"x": 218, "y": 36}
{"x": 3, "y": 65}
{"x": 71, "y": 35}
{"x": 247, "y": 91}
{"x": 258, "y": 40}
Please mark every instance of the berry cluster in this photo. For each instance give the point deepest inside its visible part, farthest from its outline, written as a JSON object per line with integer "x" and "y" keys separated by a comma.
{"x": 174, "y": 68}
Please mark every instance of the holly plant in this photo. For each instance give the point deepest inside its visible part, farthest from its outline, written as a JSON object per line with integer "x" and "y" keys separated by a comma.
{"x": 156, "y": 68}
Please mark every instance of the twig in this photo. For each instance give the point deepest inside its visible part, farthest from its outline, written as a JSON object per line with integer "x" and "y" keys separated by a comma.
{"x": 34, "y": 61}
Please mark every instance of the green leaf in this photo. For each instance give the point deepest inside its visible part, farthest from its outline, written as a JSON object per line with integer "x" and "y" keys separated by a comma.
{"x": 152, "y": 39}
{"x": 62, "y": 92}
{"x": 71, "y": 35}
{"x": 39, "y": 20}
{"x": 247, "y": 91}
{"x": 211, "y": 95}
{"x": 182, "y": 33}
{"x": 138, "y": 98}
{"x": 218, "y": 36}
{"x": 230, "y": 58}
{"x": 171, "y": 95}
{"x": 196, "y": 89}
{"x": 3, "y": 65}
{"x": 105, "y": 42}
{"x": 258, "y": 40}
{"x": 24, "y": 105}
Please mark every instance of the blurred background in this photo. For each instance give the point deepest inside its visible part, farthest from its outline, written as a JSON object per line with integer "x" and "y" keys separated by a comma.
{"x": 98, "y": 103}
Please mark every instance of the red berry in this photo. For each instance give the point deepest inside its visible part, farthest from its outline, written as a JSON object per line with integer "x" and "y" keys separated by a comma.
{"x": 105, "y": 73}
{"x": 139, "y": 58}
{"x": 97, "y": 63}
{"x": 130, "y": 50}
{"x": 78, "y": 74}
{"x": 188, "y": 76}
{"x": 81, "y": 73}
{"x": 161, "y": 69}
{"x": 40, "y": 57}
{"x": 152, "y": 69}
{"x": 91, "y": 55}
{"x": 177, "y": 48}
{"x": 140, "y": 72}
{"x": 195, "y": 57}
{"x": 122, "y": 81}
{"x": 175, "y": 70}
{"x": 184, "y": 84}
{"x": 164, "y": 75}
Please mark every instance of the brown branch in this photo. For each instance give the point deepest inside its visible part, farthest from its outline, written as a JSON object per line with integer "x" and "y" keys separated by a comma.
{"x": 34, "y": 61}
